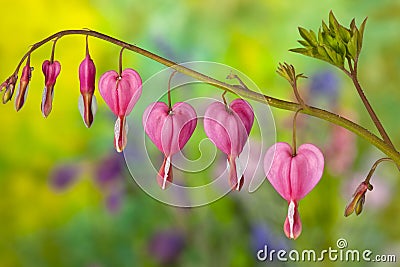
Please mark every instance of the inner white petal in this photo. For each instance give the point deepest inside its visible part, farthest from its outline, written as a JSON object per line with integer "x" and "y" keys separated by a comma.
{"x": 44, "y": 97}
{"x": 166, "y": 171}
{"x": 81, "y": 106}
{"x": 291, "y": 218}
{"x": 117, "y": 129}
{"x": 94, "y": 105}
{"x": 239, "y": 172}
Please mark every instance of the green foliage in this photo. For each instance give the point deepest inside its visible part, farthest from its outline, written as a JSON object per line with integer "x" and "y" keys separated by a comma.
{"x": 288, "y": 72}
{"x": 334, "y": 43}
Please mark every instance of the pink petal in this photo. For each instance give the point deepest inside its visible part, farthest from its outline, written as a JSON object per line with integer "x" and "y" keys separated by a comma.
{"x": 108, "y": 88}
{"x": 278, "y": 172}
{"x": 306, "y": 171}
{"x": 185, "y": 121}
{"x": 87, "y": 75}
{"x": 243, "y": 109}
{"x": 228, "y": 129}
{"x": 215, "y": 125}
{"x": 154, "y": 118}
{"x": 169, "y": 131}
{"x": 51, "y": 72}
{"x": 129, "y": 90}
{"x": 120, "y": 93}
{"x": 294, "y": 177}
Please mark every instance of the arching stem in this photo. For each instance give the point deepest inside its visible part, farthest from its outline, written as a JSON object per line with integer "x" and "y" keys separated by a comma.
{"x": 385, "y": 147}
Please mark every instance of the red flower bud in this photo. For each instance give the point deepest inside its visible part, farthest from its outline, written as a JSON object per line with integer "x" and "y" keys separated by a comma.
{"x": 51, "y": 70}
{"x": 87, "y": 101}
{"x": 23, "y": 86}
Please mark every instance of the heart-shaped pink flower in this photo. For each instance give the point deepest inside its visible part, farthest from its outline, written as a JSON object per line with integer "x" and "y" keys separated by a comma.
{"x": 169, "y": 129}
{"x": 228, "y": 128}
{"x": 120, "y": 92}
{"x": 293, "y": 177}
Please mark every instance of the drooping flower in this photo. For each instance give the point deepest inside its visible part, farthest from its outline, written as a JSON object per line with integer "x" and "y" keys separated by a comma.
{"x": 120, "y": 92}
{"x": 357, "y": 202}
{"x": 87, "y": 100}
{"x": 22, "y": 91}
{"x": 169, "y": 129}
{"x": 228, "y": 127}
{"x": 9, "y": 85}
{"x": 293, "y": 177}
{"x": 51, "y": 70}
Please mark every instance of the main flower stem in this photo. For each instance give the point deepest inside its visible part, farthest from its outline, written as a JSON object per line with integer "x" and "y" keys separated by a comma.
{"x": 385, "y": 147}
{"x": 371, "y": 112}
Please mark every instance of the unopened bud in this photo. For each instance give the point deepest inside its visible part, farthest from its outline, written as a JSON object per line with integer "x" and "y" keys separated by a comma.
{"x": 357, "y": 202}
{"x": 22, "y": 91}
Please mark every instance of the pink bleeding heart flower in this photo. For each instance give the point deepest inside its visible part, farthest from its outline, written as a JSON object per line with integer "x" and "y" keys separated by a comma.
{"x": 23, "y": 86}
{"x": 51, "y": 70}
{"x": 169, "y": 129}
{"x": 293, "y": 177}
{"x": 120, "y": 92}
{"x": 228, "y": 127}
{"x": 87, "y": 100}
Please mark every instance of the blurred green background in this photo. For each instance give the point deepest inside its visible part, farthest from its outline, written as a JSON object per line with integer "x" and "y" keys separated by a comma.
{"x": 66, "y": 198}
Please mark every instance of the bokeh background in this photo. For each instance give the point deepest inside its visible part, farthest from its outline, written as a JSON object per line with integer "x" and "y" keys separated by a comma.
{"x": 66, "y": 197}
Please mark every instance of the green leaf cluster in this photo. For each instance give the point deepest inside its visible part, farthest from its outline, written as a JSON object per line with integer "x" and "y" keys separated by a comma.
{"x": 288, "y": 72}
{"x": 334, "y": 43}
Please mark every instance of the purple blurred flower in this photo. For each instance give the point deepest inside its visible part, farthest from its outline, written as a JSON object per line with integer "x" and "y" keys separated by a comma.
{"x": 166, "y": 246}
{"x": 110, "y": 170}
{"x": 113, "y": 201}
{"x": 63, "y": 176}
{"x": 262, "y": 236}
{"x": 109, "y": 177}
{"x": 325, "y": 83}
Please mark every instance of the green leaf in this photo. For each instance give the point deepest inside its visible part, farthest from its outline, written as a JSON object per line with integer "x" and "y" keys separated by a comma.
{"x": 331, "y": 53}
{"x": 361, "y": 35}
{"x": 303, "y": 51}
{"x": 345, "y": 34}
{"x": 308, "y": 36}
{"x": 325, "y": 27}
{"x": 353, "y": 25}
{"x": 323, "y": 54}
{"x": 304, "y": 43}
{"x": 320, "y": 37}
{"x": 333, "y": 24}
{"x": 352, "y": 47}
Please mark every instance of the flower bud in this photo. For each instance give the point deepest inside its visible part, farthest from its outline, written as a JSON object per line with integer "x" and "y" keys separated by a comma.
{"x": 51, "y": 70}
{"x": 23, "y": 86}
{"x": 357, "y": 202}
{"x": 9, "y": 84}
{"x": 87, "y": 101}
